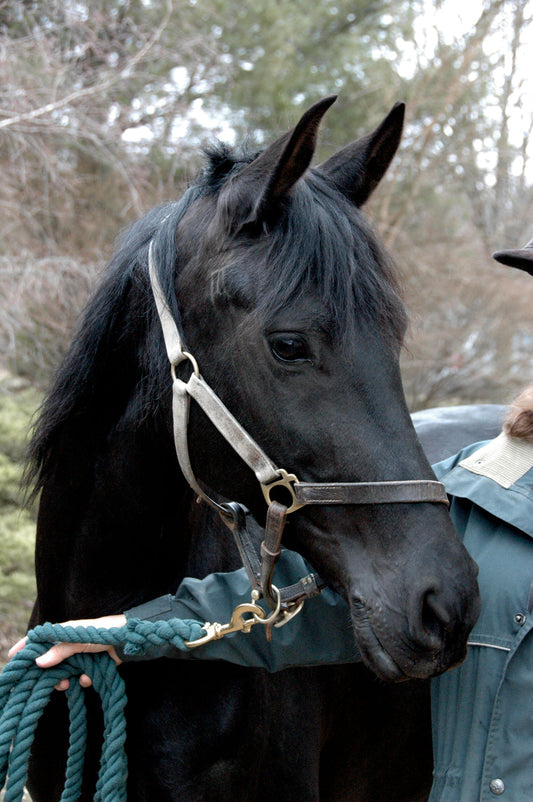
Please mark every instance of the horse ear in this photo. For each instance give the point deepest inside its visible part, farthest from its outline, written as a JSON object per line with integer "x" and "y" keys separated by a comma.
{"x": 269, "y": 178}
{"x": 358, "y": 168}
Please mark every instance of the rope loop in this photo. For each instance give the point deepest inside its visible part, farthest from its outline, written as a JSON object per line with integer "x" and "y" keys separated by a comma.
{"x": 25, "y": 690}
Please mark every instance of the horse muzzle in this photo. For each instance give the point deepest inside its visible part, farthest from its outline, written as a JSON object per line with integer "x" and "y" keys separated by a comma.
{"x": 423, "y": 638}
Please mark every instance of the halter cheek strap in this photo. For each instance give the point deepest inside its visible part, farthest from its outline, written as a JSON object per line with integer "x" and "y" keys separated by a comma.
{"x": 267, "y": 473}
{"x": 197, "y": 388}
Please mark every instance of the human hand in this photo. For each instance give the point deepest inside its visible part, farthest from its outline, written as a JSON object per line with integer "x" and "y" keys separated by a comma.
{"x": 60, "y": 651}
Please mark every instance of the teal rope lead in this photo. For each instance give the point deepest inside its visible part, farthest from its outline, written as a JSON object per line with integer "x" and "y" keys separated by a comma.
{"x": 25, "y": 690}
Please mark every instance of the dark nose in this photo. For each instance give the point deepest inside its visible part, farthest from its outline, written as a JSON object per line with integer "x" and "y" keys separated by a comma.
{"x": 443, "y": 619}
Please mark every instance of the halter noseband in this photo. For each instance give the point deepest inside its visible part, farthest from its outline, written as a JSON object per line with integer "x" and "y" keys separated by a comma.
{"x": 269, "y": 476}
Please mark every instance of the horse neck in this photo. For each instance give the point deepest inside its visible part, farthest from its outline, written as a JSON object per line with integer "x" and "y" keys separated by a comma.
{"x": 118, "y": 525}
{"x": 117, "y": 521}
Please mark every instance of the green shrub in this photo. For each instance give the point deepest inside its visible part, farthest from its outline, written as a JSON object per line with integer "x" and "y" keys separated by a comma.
{"x": 17, "y": 523}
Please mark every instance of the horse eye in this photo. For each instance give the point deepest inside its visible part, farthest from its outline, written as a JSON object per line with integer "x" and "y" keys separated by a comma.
{"x": 289, "y": 348}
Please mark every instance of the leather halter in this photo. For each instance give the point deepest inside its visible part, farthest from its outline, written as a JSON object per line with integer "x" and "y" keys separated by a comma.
{"x": 235, "y": 516}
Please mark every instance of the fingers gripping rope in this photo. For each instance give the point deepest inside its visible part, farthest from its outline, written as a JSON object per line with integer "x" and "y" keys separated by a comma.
{"x": 25, "y": 690}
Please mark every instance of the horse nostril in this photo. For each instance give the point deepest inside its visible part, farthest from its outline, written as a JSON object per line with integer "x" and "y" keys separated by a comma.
{"x": 437, "y": 619}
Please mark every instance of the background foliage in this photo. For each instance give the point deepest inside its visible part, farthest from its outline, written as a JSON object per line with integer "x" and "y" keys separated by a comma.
{"x": 104, "y": 107}
{"x": 17, "y": 524}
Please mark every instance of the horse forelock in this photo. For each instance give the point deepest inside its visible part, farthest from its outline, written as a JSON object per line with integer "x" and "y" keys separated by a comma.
{"x": 317, "y": 240}
{"x": 335, "y": 249}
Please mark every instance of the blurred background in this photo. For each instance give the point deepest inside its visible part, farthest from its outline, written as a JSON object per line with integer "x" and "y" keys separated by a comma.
{"x": 104, "y": 109}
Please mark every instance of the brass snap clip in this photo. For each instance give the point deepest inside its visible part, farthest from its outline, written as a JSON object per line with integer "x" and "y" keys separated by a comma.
{"x": 238, "y": 623}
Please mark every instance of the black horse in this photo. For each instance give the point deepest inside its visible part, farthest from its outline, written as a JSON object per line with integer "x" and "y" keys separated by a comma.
{"x": 291, "y": 308}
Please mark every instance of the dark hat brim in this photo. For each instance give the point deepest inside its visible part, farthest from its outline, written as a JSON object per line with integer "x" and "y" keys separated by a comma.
{"x": 521, "y": 258}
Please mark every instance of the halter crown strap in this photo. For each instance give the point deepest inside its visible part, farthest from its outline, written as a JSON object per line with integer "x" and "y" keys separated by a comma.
{"x": 171, "y": 333}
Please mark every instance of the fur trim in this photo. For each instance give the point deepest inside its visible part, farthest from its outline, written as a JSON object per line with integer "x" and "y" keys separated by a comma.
{"x": 519, "y": 421}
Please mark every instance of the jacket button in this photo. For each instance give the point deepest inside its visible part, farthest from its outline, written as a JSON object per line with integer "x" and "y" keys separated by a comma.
{"x": 520, "y": 619}
{"x": 497, "y": 787}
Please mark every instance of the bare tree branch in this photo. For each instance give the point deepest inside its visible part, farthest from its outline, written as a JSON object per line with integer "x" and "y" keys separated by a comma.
{"x": 97, "y": 89}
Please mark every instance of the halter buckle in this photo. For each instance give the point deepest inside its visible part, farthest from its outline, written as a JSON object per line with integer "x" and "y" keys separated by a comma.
{"x": 286, "y": 480}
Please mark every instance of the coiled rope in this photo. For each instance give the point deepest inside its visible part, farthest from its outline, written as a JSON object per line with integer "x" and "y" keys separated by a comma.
{"x": 25, "y": 690}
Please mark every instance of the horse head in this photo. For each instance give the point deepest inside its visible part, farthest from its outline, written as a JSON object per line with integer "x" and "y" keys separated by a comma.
{"x": 291, "y": 308}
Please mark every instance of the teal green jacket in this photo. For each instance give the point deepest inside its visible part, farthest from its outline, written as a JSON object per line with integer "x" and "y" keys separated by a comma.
{"x": 482, "y": 712}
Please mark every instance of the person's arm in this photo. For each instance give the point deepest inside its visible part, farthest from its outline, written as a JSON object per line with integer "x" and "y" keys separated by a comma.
{"x": 320, "y": 634}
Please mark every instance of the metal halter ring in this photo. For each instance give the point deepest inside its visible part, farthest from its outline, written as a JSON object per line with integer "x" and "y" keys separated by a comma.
{"x": 270, "y": 619}
{"x": 286, "y": 480}
{"x": 192, "y": 360}
{"x": 278, "y": 617}
{"x": 288, "y": 615}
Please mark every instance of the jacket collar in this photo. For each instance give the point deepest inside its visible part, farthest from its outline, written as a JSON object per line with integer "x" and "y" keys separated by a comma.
{"x": 498, "y": 477}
